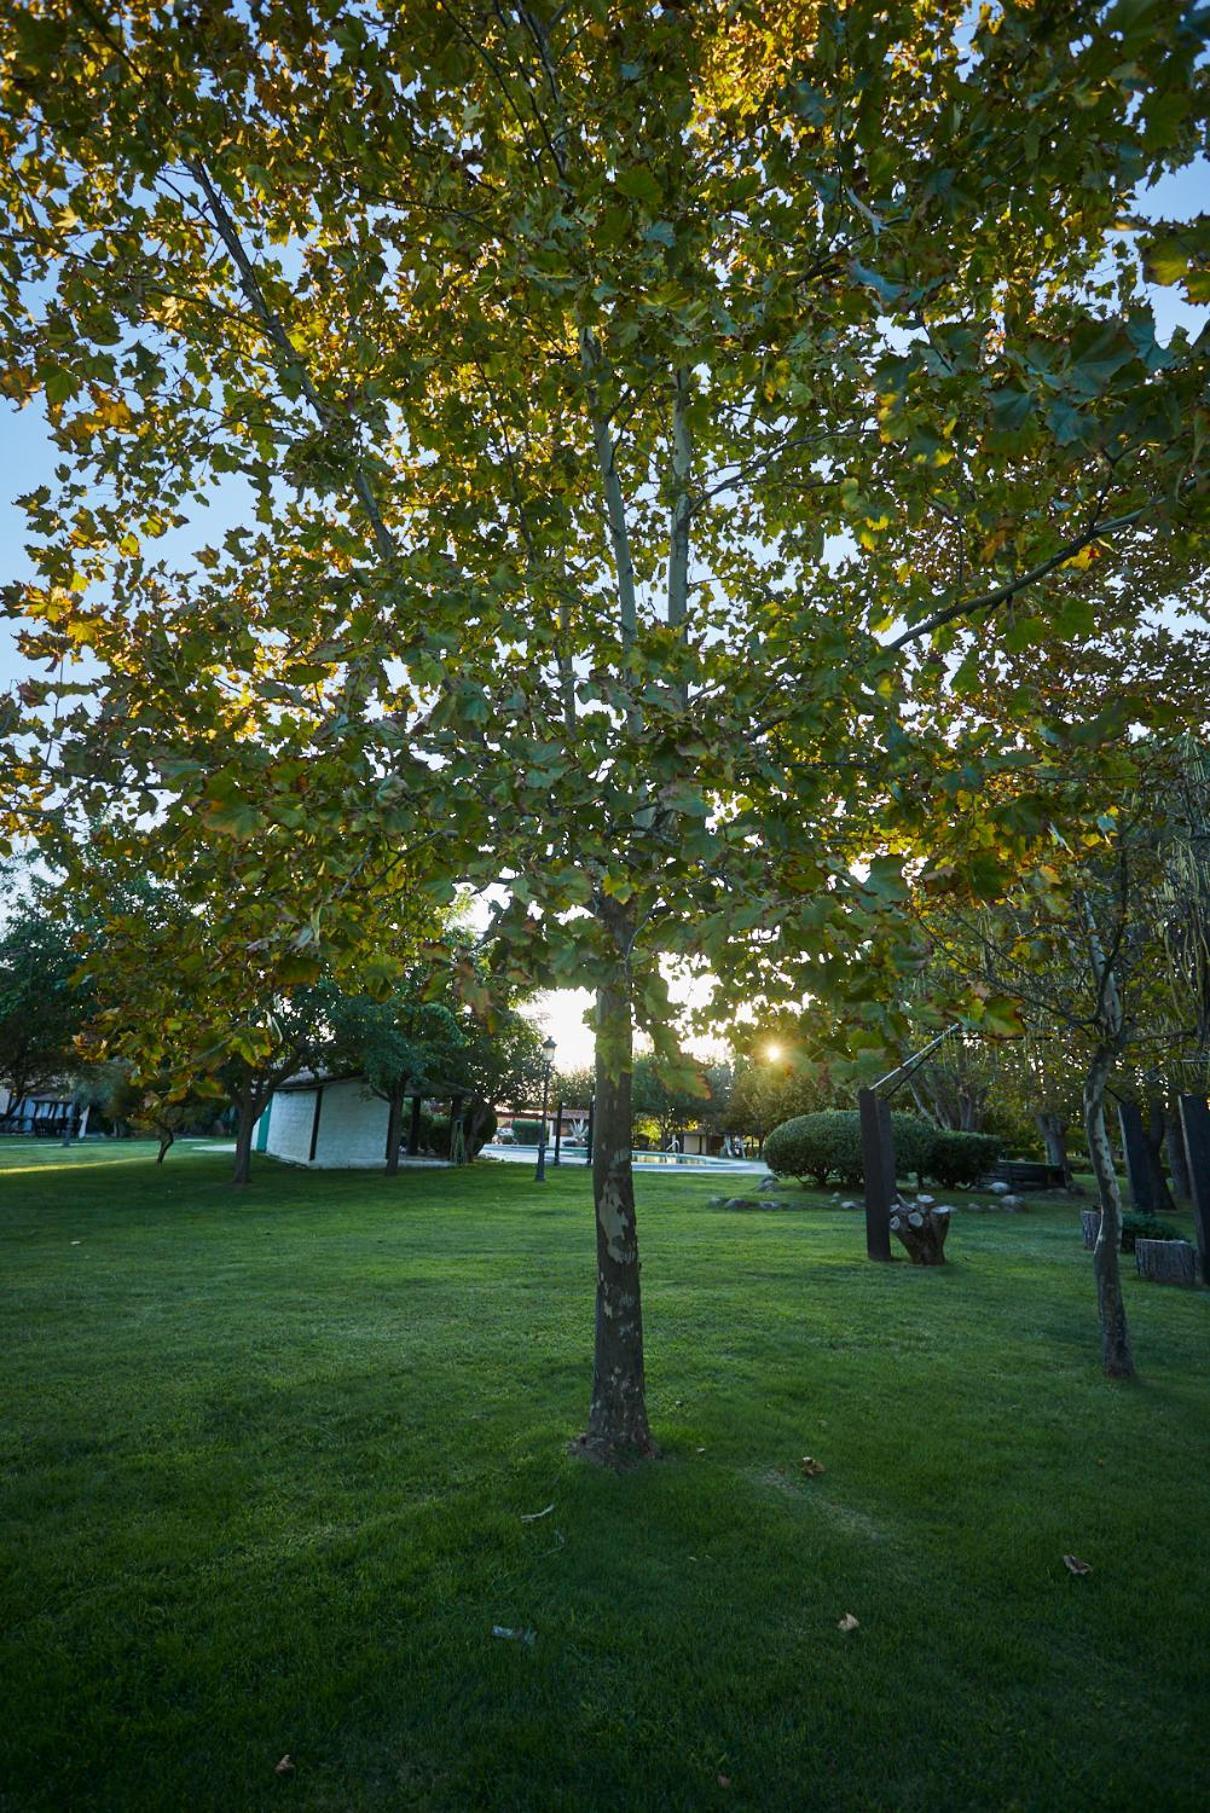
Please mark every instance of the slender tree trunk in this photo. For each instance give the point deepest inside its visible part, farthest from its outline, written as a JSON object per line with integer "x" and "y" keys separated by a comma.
{"x": 1116, "y": 1356}
{"x": 249, "y": 1113}
{"x": 1178, "y": 1162}
{"x": 1053, "y": 1129}
{"x": 617, "y": 1417}
{"x": 1153, "y": 1133}
{"x": 167, "y": 1136}
{"x": 395, "y": 1102}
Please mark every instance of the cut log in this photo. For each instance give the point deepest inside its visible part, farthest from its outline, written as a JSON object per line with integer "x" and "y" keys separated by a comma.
{"x": 1090, "y": 1221}
{"x": 1166, "y": 1261}
{"x": 922, "y": 1232}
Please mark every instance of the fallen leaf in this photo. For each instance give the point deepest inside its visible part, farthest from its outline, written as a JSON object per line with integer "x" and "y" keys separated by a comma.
{"x": 848, "y": 1622}
{"x": 285, "y": 1767}
{"x": 533, "y": 1516}
{"x": 811, "y": 1467}
{"x": 514, "y": 1635}
{"x": 701, "y": 1450}
{"x": 724, "y": 1781}
{"x": 1074, "y": 1565}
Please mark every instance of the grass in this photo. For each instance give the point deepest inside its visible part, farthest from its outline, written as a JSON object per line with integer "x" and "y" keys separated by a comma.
{"x": 268, "y": 1458}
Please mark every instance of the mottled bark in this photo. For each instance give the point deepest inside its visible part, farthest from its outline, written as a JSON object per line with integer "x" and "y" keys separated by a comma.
{"x": 1116, "y": 1356}
{"x": 617, "y": 1417}
{"x": 1178, "y": 1161}
{"x": 1053, "y": 1129}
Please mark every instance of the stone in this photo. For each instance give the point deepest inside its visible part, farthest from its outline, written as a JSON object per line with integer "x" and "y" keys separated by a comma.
{"x": 1010, "y": 1202}
{"x": 768, "y": 1183}
{"x": 849, "y": 1205}
{"x": 1000, "y": 1188}
{"x": 926, "y": 1202}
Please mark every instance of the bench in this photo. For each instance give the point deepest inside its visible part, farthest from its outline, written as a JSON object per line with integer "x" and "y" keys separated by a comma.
{"x": 1023, "y": 1175}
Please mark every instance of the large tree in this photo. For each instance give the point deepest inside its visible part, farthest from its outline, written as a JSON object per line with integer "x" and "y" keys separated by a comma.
{"x": 626, "y": 395}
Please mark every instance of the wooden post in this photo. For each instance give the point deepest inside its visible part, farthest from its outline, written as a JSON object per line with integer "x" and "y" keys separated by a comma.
{"x": 414, "y": 1128}
{"x": 1138, "y": 1165}
{"x": 878, "y": 1168}
{"x": 1195, "y": 1129}
{"x": 457, "y": 1147}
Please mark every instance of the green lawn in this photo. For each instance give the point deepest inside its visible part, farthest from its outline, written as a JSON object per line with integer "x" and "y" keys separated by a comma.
{"x": 268, "y": 1459}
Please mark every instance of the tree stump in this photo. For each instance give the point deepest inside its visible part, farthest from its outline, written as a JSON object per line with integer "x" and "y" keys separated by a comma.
{"x": 1090, "y": 1221}
{"x": 1166, "y": 1261}
{"x": 922, "y": 1231}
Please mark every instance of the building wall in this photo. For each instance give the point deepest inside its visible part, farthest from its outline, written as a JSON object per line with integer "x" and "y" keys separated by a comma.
{"x": 290, "y": 1114}
{"x": 352, "y": 1126}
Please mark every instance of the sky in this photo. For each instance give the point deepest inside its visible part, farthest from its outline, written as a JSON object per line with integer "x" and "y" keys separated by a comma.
{"x": 27, "y": 459}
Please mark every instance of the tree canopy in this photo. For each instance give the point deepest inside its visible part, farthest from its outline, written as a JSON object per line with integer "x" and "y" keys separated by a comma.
{"x": 662, "y": 428}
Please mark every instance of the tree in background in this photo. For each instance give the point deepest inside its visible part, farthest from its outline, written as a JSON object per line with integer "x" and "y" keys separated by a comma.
{"x": 1078, "y": 951}
{"x": 559, "y": 350}
{"x": 41, "y": 1008}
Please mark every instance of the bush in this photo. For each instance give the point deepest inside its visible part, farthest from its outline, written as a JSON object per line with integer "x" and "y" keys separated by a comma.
{"x": 828, "y": 1145}
{"x": 818, "y": 1146}
{"x": 435, "y": 1135}
{"x": 914, "y": 1141}
{"x": 527, "y": 1133}
{"x": 505, "y": 1137}
{"x": 1146, "y": 1227}
{"x": 959, "y": 1161}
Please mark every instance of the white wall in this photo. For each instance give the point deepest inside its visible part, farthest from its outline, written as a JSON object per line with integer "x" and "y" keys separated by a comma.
{"x": 290, "y": 1116}
{"x": 352, "y": 1126}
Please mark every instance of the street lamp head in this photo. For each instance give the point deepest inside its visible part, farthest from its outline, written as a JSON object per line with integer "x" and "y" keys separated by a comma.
{"x": 548, "y": 1045}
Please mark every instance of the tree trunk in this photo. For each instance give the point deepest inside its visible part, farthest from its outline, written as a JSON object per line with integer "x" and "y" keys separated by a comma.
{"x": 1116, "y": 1356}
{"x": 617, "y": 1417}
{"x": 167, "y": 1136}
{"x": 395, "y": 1102}
{"x": 249, "y": 1113}
{"x": 1053, "y": 1129}
{"x": 1154, "y": 1128}
{"x": 1178, "y": 1162}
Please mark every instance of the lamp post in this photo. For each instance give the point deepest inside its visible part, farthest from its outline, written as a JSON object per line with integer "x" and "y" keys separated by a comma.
{"x": 548, "y": 1046}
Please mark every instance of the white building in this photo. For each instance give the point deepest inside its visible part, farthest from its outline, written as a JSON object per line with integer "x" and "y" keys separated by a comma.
{"x": 332, "y": 1123}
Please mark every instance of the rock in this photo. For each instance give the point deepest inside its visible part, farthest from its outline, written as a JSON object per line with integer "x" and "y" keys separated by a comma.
{"x": 926, "y": 1202}
{"x": 1010, "y": 1202}
{"x": 767, "y": 1183}
{"x": 848, "y": 1205}
{"x": 1000, "y": 1188}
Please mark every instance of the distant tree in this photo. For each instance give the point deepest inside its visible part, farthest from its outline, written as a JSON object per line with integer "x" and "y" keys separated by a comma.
{"x": 41, "y": 1007}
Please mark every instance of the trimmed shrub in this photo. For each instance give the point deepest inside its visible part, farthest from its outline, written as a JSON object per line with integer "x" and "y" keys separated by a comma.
{"x": 816, "y": 1146}
{"x": 959, "y": 1161}
{"x": 527, "y": 1133}
{"x": 827, "y": 1146}
{"x": 914, "y": 1140}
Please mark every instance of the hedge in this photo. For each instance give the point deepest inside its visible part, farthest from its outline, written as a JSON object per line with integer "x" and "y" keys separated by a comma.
{"x": 828, "y": 1145}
